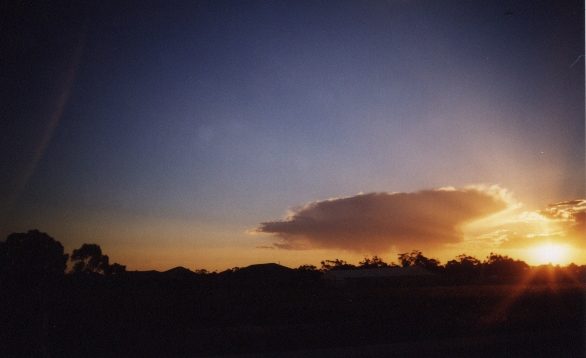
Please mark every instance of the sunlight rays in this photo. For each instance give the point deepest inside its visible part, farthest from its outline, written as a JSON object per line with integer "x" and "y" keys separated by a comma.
{"x": 550, "y": 253}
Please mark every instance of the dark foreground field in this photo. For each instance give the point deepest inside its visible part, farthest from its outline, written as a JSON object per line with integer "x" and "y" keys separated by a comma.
{"x": 299, "y": 316}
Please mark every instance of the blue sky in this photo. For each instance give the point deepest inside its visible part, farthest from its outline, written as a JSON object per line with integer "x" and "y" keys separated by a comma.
{"x": 223, "y": 115}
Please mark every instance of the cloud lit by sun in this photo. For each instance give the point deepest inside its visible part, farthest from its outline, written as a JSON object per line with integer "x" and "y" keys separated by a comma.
{"x": 374, "y": 222}
{"x": 477, "y": 220}
{"x": 552, "y": 235}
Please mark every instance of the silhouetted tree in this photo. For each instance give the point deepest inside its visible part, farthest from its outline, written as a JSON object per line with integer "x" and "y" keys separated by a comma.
{"x": 336, "y": 264}
{"x": 307, "y": 268}
{"x": 464, "y": 267}
{"x": 116, "y": 269}
{"x": 573, "y": 269}
{"x": 308, "y": 273}
{"x": 503, "y": 266}
{"x": 463, "y": 264}
{"x": 34, "y": 254}
{"x": 416, "y": 258}
{"x": 90, "y": 259}
{"x": 374, "y": 262}
{"x": 31, "y": 266}
{"x": 408, "y": 259}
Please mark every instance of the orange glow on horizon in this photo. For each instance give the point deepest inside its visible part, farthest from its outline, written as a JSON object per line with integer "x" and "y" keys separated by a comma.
{"x": 550, "y": 253}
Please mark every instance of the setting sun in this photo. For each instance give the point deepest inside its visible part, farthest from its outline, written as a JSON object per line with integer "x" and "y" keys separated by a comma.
{"x": 550, "y": 253}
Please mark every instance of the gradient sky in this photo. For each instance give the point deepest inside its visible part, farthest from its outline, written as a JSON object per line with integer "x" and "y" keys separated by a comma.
{"x": 167, "y": 132}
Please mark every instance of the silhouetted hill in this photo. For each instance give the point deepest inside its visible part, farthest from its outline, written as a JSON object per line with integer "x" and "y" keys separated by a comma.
{"x": 269, "y": 273}
{"x": 268, "y": 268}
{"x": 179, "y": 272}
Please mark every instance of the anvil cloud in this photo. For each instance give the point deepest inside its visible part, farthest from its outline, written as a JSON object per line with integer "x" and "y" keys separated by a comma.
{"x": 375, "y": 222}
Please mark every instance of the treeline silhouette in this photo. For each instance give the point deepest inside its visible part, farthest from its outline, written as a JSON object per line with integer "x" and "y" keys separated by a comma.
{"x": 495, "y": 265}
{"x": 37, "y": 257}
{"x": 55, "y": 304}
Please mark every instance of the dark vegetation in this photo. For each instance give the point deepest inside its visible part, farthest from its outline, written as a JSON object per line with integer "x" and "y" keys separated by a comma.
{"x": 499, "y": 306}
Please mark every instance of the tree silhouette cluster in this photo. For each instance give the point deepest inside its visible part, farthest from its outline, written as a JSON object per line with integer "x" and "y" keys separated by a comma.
{"x": 416, "y": 258}
{"x": 462, "y": 267}
{"x": 410, "y": 259}
{"x": 35, "y": 256}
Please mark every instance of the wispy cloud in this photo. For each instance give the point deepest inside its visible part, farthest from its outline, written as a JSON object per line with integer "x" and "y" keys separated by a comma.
{"x": 563, "y": 222}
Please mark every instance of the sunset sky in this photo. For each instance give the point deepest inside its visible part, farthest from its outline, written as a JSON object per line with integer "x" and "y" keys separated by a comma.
{"x": 213, "y": 134}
